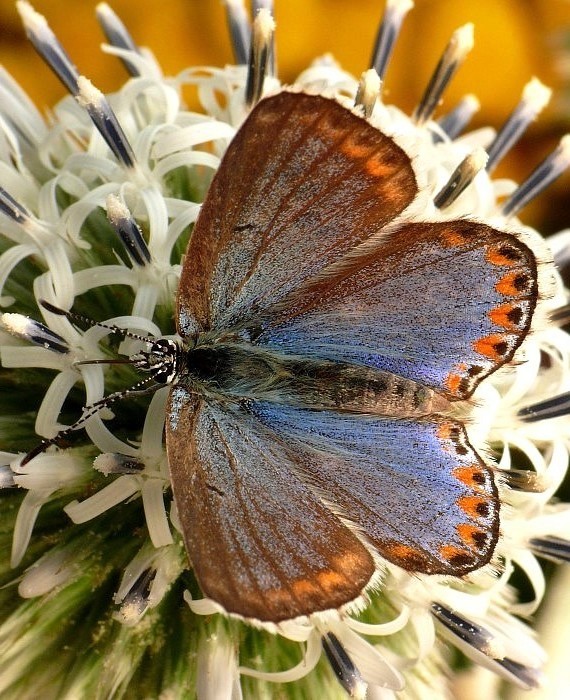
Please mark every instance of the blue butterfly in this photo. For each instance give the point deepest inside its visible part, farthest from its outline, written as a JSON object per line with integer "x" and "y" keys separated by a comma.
{"x": 325, "y": 337}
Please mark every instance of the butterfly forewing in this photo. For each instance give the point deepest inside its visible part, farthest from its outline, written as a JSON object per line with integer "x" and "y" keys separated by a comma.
{"x": 261, "y": 544}
{"x": 276, "y": 210}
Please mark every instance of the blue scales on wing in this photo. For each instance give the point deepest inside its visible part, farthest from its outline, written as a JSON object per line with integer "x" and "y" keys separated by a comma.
{"x": 307, "y": 250}
{"x": 444, "y": 304}
{"x": 415, "y": 489}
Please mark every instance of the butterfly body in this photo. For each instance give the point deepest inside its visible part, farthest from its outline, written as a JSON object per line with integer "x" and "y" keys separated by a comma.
{"x": 244, "y": 371}
{"x": 325, "y": 334}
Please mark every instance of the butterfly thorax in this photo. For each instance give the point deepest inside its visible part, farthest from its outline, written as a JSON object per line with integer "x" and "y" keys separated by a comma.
{"x": 238, "y": 371}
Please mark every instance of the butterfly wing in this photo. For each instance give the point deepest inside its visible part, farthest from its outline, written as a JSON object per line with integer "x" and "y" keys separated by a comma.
{"x": 417, "y": 490}
{"x": 444, "y": 304}
{"x": 275, "y": 216}
{"x": 261, "y": 544}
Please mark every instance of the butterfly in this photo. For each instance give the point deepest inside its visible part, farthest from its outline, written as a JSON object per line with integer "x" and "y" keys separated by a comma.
{"x": 325, "y": 337}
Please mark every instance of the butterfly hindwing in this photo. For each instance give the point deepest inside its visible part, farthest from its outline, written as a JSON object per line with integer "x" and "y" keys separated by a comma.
{"x": 444, "y": 304}
{"x": 416, "y": 489}
{"x": 261, "y": 544}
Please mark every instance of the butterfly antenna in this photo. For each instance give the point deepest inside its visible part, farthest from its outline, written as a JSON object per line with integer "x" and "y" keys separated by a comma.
{"x": 78, "y": 318}
{"x": 161, "y": 362}
{"x": 140, "y": 388}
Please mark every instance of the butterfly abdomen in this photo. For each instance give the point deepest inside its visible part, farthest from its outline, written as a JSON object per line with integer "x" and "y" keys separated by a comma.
{"x": 243, "y": 371}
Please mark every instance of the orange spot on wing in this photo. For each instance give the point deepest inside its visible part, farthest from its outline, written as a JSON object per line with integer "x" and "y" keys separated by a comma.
{"x": 453, "y": 383}
{"x": 474, "y": 506}
{"x": 493, "y": 346}
{"x": 455, "y": 555}
{"x": 473, "y": 536}
{"x": 407, "y": 557}
{"x": 445, "y": 430}
{"x": 503, "y": 316}
{"x": 474, "y": 477}
{"x": 303, "y": 587}
{"x": 355, "y": 150}
{"x": 450, "y": 551}
{"x": 454, "y": 379}
{"x": 497, "y": 256}
{"x": 512, "y": 284}
{"x": 328, "y": 582}
{"x": 331, "y": 580}
{"x": 377, "y": 168}
{"x": 452, "y": 238}
{"x": 371, "y": 161}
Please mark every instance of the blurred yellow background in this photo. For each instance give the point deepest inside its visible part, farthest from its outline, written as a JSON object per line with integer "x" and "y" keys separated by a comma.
{"x": 514, "y": 40}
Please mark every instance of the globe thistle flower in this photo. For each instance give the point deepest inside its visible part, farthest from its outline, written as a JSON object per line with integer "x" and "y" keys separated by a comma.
{"x": 97, "y": 204}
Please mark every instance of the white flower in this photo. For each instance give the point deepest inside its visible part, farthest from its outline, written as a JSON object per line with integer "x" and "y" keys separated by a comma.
{"x": 96, "y": 211}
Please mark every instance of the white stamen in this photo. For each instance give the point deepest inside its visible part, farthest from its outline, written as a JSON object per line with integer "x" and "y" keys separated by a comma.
{"x": 120, "y": 490}
{"x": 128, "y": 230}
{"x": 368, "y": 91}
{"x": 12, "y": 208}
{"x": 240, "y": 31}
{"x": 536, "y": 95}
{"x": 117, "y": 35}
{"x": 113, "y": 463}
{"x": 47, "y": 45}
{"x": 263, "y": 28}
{"x": 116, "y": 209}
{"x": 99, "y": 109}
{"x": 372, "y": 664}
{"x": 343, "y": 667}
{"x": 461, "y": 178}
{"x": 534, "y": 98}
{"x": 146, "y": 579}
{"x": 33, "y": 331}
{"x": 266, "y": 27}
{"x": 17, "y": 324}
{"x": 551, "y": 168}
{"x": 89, "y": 96}
{"x": 32, "y": 20}
{"x": 48, "y": 573}
{"x": 455, "y": 121}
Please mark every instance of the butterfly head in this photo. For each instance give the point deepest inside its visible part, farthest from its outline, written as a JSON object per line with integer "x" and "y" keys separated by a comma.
{"x": 161, "y": 361}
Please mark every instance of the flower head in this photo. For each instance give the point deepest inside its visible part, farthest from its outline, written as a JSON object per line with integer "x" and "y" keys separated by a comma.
{"x": 97, "y": 206}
